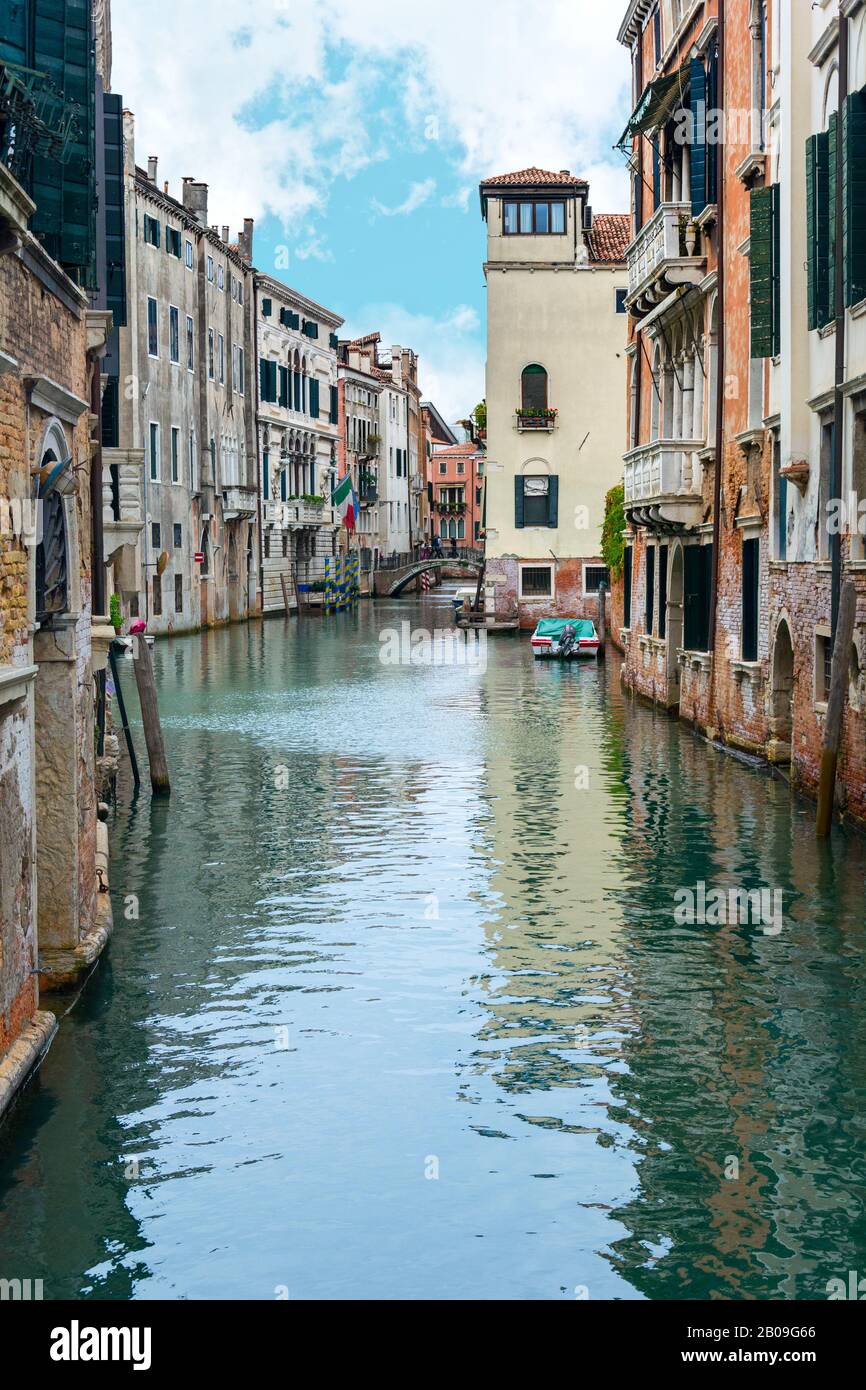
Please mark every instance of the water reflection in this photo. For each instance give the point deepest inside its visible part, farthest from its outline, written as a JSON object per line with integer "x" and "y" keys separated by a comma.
{"x": 397, "y": 1007}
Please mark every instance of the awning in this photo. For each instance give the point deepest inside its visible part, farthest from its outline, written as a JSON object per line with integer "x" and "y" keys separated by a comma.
{"x": 658, "y": 101}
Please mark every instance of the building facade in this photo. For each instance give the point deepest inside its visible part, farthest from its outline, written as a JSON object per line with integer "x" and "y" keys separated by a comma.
{"x": 359, "y": 449}
{"x": 297, "y": 438}
{"x": 457, "y": 476}
{"x": 556, "y": 338}
{"x": 180, "y": 491}
{"x": 736, "y": 471}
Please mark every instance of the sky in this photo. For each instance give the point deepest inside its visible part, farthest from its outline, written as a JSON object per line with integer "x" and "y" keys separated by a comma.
{"x": 356, "y": 133}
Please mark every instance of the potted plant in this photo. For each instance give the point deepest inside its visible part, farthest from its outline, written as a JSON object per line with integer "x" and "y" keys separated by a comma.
{"x": 115, "y": 613}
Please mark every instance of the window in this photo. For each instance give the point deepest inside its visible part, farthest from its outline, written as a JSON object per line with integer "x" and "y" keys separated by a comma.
{"x": 155, "y": 535}
{"x": 650, "y": 595}
{"x": 178, "y": 535}
{"x": 240, "y": 371}
{"x": 175, "y": 452}
{"x": 190, "y": 344}
{"x": 823, "y": 667}
{"x": 267, "y": 308}
{"x": 268, "y": 380}
{"x": 620, "y": 301}
{"x": 173, "y": 335}
{"x": 697, "y": 579}
{"x": 536, "y": 501}
{"x": 210, "y": 268}
{"x": 751, "y": 598}
{"x": 534, "y": 219}
{"x": 533, "y": 389}
{"x": 152, "y": 329}
{"x": 151, "y": 230}
{"x": 193, "y": 470}
{"x": 154, "y": 452}
{"x": 461, "y": 468}
{"x": 267, "y": 545}
{"x": 536, "y": 581}
{"x": 178, "y": 593}
{"x": 172, "y": 241}
{"x": 593, "y": 577}
{"x": 221, "y": 279}
{"x": 240, "y": 291}
{"x": 156, "y": 604}
{"x": 221, "y": 357}
{"x": 663, "y": 591}
{"x": 266, "y": 476}
{"x": 765, "y": 259}
{"x": 443, "y": 468}
{"x": 210, "y": 353}
{"x": 626, "y": 585}
{"x": 188, "y": 255}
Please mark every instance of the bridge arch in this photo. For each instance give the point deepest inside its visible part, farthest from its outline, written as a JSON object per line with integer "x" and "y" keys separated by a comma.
{"x": 405, "y": 576}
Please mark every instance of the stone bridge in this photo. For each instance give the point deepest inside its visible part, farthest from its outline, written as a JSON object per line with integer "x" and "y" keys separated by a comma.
{"x": 390, "y": 582}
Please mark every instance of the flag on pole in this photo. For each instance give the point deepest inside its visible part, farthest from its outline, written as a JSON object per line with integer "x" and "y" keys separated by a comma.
{"x": 344, "y": 501}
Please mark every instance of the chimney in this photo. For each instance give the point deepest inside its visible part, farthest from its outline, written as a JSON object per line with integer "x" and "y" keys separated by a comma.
{"x": 567, "y": 172}
{"x": 195, "y": 199}
{"x": 151, "y": 167}
{"x": 225, "y": 234}
{"x": 165, "y": 188}
{"x": 245, "y": 240}
{"x": 396, "y": 363}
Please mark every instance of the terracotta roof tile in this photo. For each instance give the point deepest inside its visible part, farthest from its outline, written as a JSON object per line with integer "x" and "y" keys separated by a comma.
{"x": 535, "y": 178}
{"x": 610, "y": 235}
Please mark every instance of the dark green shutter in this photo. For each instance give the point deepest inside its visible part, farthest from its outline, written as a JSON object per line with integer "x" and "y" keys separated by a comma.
{"x": 751, "y": 577}
{"x": 553, "y": 501}
{"x": 263, "y": 378}
{"x": 698, "y": 168}
{"x": 761, "y": 273}
{"x": 831, "y": 205}
{"x": 626, "y": 586}
{"x": 650, "y": 588}
{"x": 272, "y": 382}
{"x": 818, "y": 229}
{"x": 112, "y": 209}
{"x": 335, "y": 405}
{"x": 314, "y": 398}
{"x": 697, "y": 582}
{"x": 657, "y": 175}
{"x": 663, "y": 591}
{"x": 518, "y": 502}
{"x": 776, "y": 267}
{"x": 854, "y": 227}
{"x": 284, "y": 386}
{"x": 712, "y": 151}
{"x": 266, "y": 475}
{"x": 267, "y": 308}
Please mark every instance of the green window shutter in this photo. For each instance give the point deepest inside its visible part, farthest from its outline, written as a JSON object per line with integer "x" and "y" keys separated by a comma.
{"x": 284, "y": 386}
{"x": 266, "y": 475}
{"x": 854, "y": 225}
{"x": 272, "y": 382}
{"x": 776, "y": 267}
{"x": 831, "y": 204}
{"x": 335, "y": 404}
{"x": 761, "y": 272}
{"x": 314, "y": 399}
{"x": 712, "y": 151}
{"x": 657, "y": 175}
{"x": 518, "y": 502}
{"x": 553, "y": 501}
{"x": 698, "y": 168}
{"x": 818, "y": 229}
{"x": 266, "y": 308}
{"x": 263, "y": 378}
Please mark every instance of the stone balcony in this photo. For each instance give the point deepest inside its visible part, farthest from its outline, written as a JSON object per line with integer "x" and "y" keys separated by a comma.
{"x": 663, "y": 484}
{"x": 122, "y": 498}
{"x": 296, "y": 513}
{"x": 664, "y": 255}
{"x": 239, "y": 500}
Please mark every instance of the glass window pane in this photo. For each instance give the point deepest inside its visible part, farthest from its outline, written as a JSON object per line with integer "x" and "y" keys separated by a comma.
{"x": 542, "y": 217}
{"x": 510, "y": 219}
{"x": 557, "y": 218}
{"x": 526, "y": 217}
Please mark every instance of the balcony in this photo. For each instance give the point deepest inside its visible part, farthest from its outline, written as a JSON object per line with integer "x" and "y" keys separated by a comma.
{"x": 122, "y": 498}
{"x": 368, "y": 487}
{"x": 418, "y": 483}
{"x": 663, "y": 256}
{"x": 297, "y": 512}
{"x": 663, "y": 485}
{"x": 543, "y": 421}
{"x": 239, "y": 500}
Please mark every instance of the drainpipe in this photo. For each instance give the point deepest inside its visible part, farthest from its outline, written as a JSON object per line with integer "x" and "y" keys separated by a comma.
{"x": 720, "y": 351}
{"x": 839, "y": 410}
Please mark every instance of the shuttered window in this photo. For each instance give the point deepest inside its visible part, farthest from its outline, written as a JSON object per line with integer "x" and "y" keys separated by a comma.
{"x": 626, "y": 586}
{"x": 663, "y": 591}
{"x": 657, "y": 175}
{"x": 697, "y": 577}
{"x": 650, "y": 587}
{"x": 712, "y": 150}
{"x": 764, "y": 272}
{"x": 536, "y": 501}
{"x": 854, "y": 228}
{"x": 820, "y": 290}
{"x": 284, "y": 387}
{"x": 266, "y": 475}
{"x": 268, "y": 380}
{"x": 314, "y": 398}
{"x": 333, "y": 414}
{"x": 751, "y": 577}
{"x": 698, "y": 167}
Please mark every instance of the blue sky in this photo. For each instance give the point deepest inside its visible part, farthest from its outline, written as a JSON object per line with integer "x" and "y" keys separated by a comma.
{"x": 357, "y": 143}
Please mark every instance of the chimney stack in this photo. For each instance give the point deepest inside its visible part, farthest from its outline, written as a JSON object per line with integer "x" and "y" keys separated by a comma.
{"x": 225, "y": 234}
{"x": 195, "y": 199}
{"x": 151, "y": 167}
{"x": 245, "y": 241}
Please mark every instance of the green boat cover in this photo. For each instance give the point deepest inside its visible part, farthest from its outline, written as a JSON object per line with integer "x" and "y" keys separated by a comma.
{"x": 554, "y": 627}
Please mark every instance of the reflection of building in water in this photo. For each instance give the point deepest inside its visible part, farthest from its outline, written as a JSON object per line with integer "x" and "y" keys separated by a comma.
{"x": 552, "y": 782}
{"x": 740, "y": 1054}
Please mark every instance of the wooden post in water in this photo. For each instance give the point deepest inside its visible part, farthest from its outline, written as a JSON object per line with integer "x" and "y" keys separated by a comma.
{"x": 146, "y": 683}
{"x": 602, "y": 621}
{"x": 835, "y": 709}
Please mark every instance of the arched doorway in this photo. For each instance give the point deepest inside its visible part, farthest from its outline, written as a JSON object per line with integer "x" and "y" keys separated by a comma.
{"x": 674, "y": 626}
{"x": 782, "y": 696}
{"x": 235, "y": 605}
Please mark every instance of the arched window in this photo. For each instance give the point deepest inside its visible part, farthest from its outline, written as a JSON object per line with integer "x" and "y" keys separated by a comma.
{"x": 656, "y": 392}
{"x": 443, "y": 529}
{"x": 533, "y": 389}
{"x": 204, "y": 567}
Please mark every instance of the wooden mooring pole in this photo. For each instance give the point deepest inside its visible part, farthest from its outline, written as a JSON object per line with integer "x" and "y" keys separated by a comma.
{"x": 146, "y": 683}
{"x": 602, "y": 621}
{"x": 835, "y": 709}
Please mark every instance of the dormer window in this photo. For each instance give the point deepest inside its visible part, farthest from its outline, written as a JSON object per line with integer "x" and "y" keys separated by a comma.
{"x": 526, "y": 218}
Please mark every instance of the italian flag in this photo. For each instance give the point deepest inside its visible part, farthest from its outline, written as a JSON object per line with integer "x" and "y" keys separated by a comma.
{"x": 344, "y": 500}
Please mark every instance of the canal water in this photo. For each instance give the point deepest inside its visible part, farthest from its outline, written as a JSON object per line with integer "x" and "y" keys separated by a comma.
{"x": 400, "y": 1003}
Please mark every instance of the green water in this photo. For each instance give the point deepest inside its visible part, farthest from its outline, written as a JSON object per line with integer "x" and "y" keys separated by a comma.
{"x": 405, "y": 1011}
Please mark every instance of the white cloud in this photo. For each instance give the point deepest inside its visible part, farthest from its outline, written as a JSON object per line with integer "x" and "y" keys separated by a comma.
{"x": 418, "y": 195}
{"x": 451, "y": 356}
{"x": 498, "y": 83}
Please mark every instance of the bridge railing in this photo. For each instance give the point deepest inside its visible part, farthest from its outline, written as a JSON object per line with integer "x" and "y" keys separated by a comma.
{"x": 400, "y": 560}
